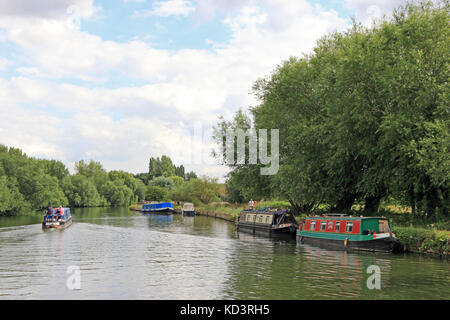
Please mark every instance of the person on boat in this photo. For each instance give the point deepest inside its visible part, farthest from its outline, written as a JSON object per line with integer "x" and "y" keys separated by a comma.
{"x": 251, "y": 204}
{"x": 50, "y": 212}
{"x": 60, "y": 212}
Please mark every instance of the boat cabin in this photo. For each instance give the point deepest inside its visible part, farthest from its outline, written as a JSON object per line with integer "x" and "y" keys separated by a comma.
{"x": 362, "y": 233}
{"x": 188, "y": 209}
{"x": 267, "y": 219}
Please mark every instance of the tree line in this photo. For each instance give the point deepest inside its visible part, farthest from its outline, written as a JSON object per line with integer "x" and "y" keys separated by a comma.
{"x": 362, "y": 119}
{"x": 166, "y": 181}
{"x": 28, "y": 184}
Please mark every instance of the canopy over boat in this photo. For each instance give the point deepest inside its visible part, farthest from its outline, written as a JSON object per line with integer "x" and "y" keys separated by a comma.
{"x": 188, "y": 206}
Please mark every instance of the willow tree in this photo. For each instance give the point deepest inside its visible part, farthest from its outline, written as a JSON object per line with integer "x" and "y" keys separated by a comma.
{"x": 365, "y": 115}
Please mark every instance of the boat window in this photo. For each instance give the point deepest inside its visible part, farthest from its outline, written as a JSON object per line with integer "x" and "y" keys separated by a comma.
{"x": 349, "y": 227}
{"x": 260, "y": 218}
{"x": 313, "y": 225}
{"x": 337, "y": 227}
{"x": 383, "y": 226}
{"x": 330, "y": 225}
{"x": 267, "y": 219}
{"x": 323, "y": 225}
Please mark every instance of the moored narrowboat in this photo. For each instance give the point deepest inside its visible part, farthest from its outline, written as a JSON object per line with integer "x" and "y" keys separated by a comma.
{"x": 337, "y": 231}
{"x": 158, "y": 207}
{"x": 269, "y": 220}
{"x": 59, "y": 218}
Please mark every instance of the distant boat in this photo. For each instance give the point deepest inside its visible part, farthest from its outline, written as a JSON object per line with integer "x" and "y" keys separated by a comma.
{"x": 188, "y": 209}
{"x": 162, "y": 207}
{"x": 57, "y": 219}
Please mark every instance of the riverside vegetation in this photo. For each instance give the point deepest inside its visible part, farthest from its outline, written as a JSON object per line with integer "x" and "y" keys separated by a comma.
{"x": 364, "y": 129}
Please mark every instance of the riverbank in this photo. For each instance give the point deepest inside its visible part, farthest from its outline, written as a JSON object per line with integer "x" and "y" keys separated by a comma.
{"x": 424, "y": 241}
{"x": 430, "y": 242}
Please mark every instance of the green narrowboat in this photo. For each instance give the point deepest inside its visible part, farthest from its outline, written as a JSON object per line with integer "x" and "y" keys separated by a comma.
{"x": 338, "y": 231}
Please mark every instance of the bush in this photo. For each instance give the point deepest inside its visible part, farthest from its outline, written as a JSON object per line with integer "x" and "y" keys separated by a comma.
{"x": 155, "y": 193}
{"x": 422, "y": 240}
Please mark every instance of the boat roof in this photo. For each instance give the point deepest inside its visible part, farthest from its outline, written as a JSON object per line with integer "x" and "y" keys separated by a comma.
{"x": 265, "y": 211}
{"x": 344, "y": 217}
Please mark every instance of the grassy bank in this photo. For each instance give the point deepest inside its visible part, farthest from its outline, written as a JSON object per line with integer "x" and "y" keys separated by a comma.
{"x": 423, "y": 241}
{"x": 413, "y": 238}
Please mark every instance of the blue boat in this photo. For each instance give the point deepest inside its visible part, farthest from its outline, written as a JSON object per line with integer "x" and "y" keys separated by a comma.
{"x": 166, "y": 207}
{"x": 58, "y": 218}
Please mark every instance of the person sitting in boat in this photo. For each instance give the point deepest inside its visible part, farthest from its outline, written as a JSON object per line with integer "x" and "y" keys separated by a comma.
{"x": 50, "y": 212}
{"x": 60, "y": 212}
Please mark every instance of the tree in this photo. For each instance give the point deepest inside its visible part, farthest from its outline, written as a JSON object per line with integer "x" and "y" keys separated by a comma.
{"x": 11, "y": 200}
{"x": 190, "y": 175}
{"x": 92, "y": 170}
{"x": 81, "y": 192}
{"x": 363, "y": 117}
{"x": 156, "y": 193}
{"x": 162, "y": 182}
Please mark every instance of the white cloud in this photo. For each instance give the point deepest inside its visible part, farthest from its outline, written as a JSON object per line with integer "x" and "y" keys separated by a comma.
{"x": 4, "y": 63}
{"x": 47, "y": 8}
{"x": 167, "y": 8}
{"x": 368, "y": 11}
{"x": 124, "y": 126}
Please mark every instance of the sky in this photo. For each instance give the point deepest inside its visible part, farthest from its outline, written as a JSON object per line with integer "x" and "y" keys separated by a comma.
{"x": 120, "y": 81}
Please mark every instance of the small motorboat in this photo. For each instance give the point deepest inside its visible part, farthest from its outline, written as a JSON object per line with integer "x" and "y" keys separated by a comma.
{"x": 59, "y": 218}
{"x": 188, "y": 209}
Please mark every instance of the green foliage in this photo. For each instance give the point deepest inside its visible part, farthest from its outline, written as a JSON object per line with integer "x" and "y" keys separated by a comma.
{"x": 190, "y": 175}
{"x": 81, "y": 191}
{"x": 141, "y": 189}
{"x": 423, "y": 240}
{"x": 28, "y": 185}
{"x": 161, "y": 167}
{"x": 162, "y": 182}
{"x": 157, "y": 193}
{"x": 205, "y": 190}
{"x": 177, "y": 180}
{"x": 92, "y": 170}
{"x": 11, "y": 200}
{"x": 364, "y": 117}
{"x": 117, "y": 193}
{"x": 274, "y": 204}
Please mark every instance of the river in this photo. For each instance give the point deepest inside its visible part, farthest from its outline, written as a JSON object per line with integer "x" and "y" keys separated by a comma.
{"x": 121, "y": 254}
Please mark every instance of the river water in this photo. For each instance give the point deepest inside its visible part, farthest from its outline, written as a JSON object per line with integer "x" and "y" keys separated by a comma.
{"x": 122, "y": 254}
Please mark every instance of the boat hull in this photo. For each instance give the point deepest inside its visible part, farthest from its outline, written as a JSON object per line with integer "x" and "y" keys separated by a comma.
{"x": 265, "y": 228}
{"x": 188, "y": 213}
{"x": 163, "y": 208}
{"x": 158, "y": 211}
{"x": 376, "y": 245}
{"x": 57, "y": 224}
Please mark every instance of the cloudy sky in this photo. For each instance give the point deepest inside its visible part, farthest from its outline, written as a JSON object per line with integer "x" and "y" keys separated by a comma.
{"x": 119, "y": 81}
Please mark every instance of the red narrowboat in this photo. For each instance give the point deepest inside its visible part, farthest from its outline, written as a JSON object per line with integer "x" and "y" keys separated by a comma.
{"x": 339, "y": 231}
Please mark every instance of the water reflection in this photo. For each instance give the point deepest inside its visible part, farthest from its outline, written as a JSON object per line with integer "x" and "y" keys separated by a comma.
{"x": 127, "y": 255}
{"x": 159, "y": 220}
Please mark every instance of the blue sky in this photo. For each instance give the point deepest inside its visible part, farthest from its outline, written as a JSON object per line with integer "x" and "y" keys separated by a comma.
{"x": 123, "y": 80}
